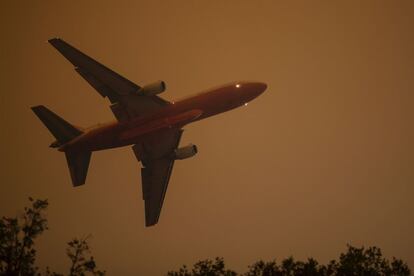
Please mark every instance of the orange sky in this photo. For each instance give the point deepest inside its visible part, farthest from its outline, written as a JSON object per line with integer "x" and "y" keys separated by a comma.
{"x": 323, "y": 158}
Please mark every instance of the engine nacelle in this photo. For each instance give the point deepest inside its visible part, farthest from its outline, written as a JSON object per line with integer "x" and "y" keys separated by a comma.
{"x": 153, "y": 88}
{"x": 185, "y": 152}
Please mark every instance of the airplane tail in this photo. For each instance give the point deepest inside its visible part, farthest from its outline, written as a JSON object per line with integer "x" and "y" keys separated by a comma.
{"x": 78, "y": 162}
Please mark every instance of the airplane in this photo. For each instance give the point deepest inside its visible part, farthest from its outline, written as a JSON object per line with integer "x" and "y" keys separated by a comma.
{"x": 152, "y": 125}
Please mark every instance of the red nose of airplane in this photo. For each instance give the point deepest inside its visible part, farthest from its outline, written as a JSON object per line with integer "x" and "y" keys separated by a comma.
{"x": 252, "y": 89}
{"x": 259, "y": 87}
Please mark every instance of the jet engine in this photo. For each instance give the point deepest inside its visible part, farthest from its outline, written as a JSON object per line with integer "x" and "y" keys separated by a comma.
{"x": 152, "y": 88}
{"x": 185, "y": 152}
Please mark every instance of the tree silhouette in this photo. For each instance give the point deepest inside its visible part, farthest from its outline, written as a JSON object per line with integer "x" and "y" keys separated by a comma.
{"x": 77, "y": 251}
{"x": 205, "y": 268}
{"x": 288, "y": 267}
{"x": 18, "y": 255}
{"x": 361, "y": 261}
{"x": 17, "y": 237}
{"x": 355, "y": 262}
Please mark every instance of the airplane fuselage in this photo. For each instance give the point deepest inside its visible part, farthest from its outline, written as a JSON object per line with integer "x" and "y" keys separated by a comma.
{"x": 177, "y": 114}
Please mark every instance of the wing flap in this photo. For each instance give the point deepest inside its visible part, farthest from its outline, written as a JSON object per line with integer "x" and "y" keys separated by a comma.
{"x": 99, "y": 86}
{"x": 120, "y": 113}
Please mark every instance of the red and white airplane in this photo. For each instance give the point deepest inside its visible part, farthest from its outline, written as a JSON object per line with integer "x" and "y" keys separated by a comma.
{"x": 152, "y": 125}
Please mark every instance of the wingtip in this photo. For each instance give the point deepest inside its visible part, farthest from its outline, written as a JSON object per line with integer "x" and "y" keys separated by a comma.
{"x": 149, "y": 224}
{"x": 36, "y": 107}
{"x": 51, "y": 40}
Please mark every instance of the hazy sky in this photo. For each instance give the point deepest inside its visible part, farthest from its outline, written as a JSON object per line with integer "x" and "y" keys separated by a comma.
{"x": 323, "y": 158}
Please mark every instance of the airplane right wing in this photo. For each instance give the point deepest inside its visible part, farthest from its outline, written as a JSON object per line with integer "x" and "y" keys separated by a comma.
{"x": 156, "y": 154}
{"x": 122, "y": 93}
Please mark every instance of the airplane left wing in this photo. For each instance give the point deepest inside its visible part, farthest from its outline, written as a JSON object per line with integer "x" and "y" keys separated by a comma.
{"x": 122, "y": 93}
{"x": 157, "y": 156}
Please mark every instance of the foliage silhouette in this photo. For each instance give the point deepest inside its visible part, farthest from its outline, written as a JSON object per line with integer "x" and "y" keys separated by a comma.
{"x": 205, "y": 268}
{"x": 355, "y": 262}
{"x": 17, "y": 237}
{"x": 18, "y": 255}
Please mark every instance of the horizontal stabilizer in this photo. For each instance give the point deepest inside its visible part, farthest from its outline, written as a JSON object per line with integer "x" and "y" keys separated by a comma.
{"x": 78, "y": 163}
{"x": 61, "y": 130}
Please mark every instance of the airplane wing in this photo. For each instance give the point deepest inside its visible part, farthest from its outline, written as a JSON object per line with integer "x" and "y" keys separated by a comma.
{"x": 156, "y": 154}
{"x": 121, "y": 92}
